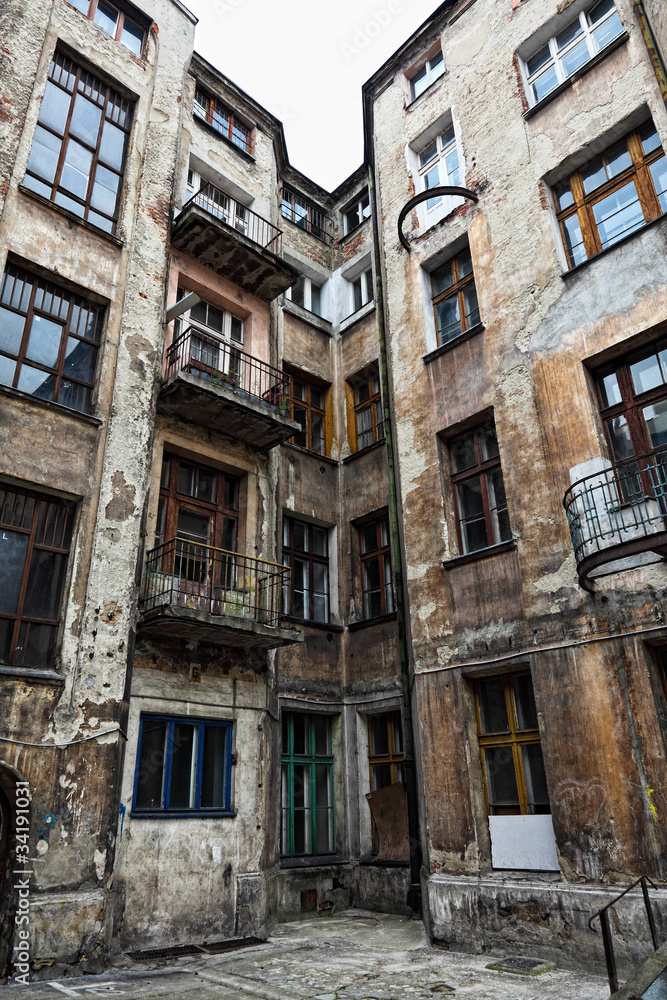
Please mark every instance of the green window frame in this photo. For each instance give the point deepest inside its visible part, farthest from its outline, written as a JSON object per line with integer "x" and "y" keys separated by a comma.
{"x": 307, "y": 813}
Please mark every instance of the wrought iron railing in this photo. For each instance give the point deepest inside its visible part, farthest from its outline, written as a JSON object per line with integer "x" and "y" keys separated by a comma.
{"x": 603, "y": 915}
{"x": 223, "y": 364}
{"x": 621, "y": 505}
{"x": 199, "y": 577}
{"x": 225, "y": 209}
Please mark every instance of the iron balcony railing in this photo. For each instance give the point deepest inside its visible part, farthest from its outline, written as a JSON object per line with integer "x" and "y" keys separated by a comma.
{"x": 603, "y": 916}
{"x": 199, "y": 577}
{"x": 225, "y": 209}
{"x": 221, "y": 363}
{"x": 624, "y": 505}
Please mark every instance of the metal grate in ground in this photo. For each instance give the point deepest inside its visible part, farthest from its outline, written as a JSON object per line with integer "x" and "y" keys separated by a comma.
{"x": 183, "y": 950}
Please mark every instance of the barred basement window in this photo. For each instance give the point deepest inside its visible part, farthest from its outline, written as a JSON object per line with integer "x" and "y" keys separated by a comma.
{"x": 48, "y": 340}
{"x": 223, "y": 120}
{"x": 35, "y": 539}
{"x": 307, "y": 826}
{"x": 80, "y": 144}
{"x": 113, "y": 19}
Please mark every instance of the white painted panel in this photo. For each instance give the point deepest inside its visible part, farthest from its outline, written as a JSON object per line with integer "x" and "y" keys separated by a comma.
{"x": 525, "y": 842}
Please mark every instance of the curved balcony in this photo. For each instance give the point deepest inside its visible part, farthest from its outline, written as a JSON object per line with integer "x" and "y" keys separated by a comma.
{"x": 618, "y": 517}
{"x": 197, "y": 592}
{"x": 234, "y": 242}
{"x": 214, "y": 383}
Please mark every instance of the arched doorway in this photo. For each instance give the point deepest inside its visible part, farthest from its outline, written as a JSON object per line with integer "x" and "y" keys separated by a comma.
{"x": 7, "y": 845}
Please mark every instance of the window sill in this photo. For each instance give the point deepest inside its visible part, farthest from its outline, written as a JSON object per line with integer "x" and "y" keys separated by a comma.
{"x": 368, "y": 622}
{"x": 451, "y": 344}
{"x": 319, "y": 322}
{"x": 309, "y": 623}
{"x": 631, "y": 236}
{"x": 491, "y": 550}
{"x": 353, "y": 232}
{"x": 366, "y": 310}
{"x": 70, "y": 215}
{"x": 316, "y": 861}
{"x": 182, "y": 814}
{"x": 562, "y": 87}
{"x": 306, "y": 451}
{"x": 33, "y": 674}
{"x": 50, "y": 405}
{"x": 214, "y": 131}
{"x": 364, "y": 451}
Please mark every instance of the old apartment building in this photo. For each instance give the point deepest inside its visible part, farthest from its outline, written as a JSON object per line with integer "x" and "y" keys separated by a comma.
{"x": 333, "y": 523}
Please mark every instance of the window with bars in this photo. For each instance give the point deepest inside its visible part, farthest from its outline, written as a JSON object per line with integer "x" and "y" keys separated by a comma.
{"x": 306, "y": 552}
{"x": 304, "y": 215}
{"x": 183, "y": 767}
{"x": 49, "y": 340}
{"x": 376, "y": 573}
{"x": 439, "y": 166}
{"x": 118, "y": 24}
{"x": 509, "y": 741}
{"x": 477, "y": 479}
{"x": 356, "y": 212}
{"x": 431, "y": 71}
{"x": 385, "y": 755}
{"x": 455, "y": 304}
{"x": 365, "y": 413}
{"x": 35, "y": 539}
{"x": 80, "y": 144}
{"x": 613, "y": 195}
{"x": 582, "y": 39}
{"x": 308, "y": 403}
{"x": 307, "y": 826}
{"x": 221, "y": 118}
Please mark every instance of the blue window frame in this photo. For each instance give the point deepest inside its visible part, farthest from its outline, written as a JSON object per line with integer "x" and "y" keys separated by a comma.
{"x": 183, "y": 767}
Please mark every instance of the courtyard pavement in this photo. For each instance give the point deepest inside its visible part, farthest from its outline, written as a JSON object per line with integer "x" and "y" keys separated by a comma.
{"x": 352, "y": 956}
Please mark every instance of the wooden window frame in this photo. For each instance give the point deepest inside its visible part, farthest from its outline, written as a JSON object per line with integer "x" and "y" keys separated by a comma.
{"x": 291, "y": 553}
{"x": 325, "y": 412}
{"x": 515, "y": 738}
{"x": 382, "y": 555}
{"x": 355, "y": 407}
{"x": 167, "y": 772}
{"x": 135, "y": 18}
{"x": 58, "y": 305}
{"x": 394, "y": 759}
{"x": 632, "y": 402}
{"x": 310, "y": 760}
{"x": 315, "y": 218}
{"x": 223, "y": 120}
{"x": 21, "y": 513}
{"x": 115, "y": 110}
{"x": 456, "y": 290}
{"x": 171, "y": 500}
{"x": 479, "y": 470}
{"x": 583, "y": 204}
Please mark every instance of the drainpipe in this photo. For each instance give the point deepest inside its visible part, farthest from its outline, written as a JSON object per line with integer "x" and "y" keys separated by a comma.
{"x": 657, "y": 61}
{"x": 414, "y": 895}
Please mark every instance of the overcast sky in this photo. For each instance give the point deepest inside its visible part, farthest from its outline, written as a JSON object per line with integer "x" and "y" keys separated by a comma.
{"x": 305, "y": 62}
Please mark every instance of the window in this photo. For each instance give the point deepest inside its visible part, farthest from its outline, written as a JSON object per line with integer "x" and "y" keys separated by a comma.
{"x": 115, "y": 22}
{"x": 356, "y": 213}
{"x": 439, "y": 166}
{"x": 307, "y": 785}
{"x": 78, "y": 152}
{"x": 361, "y": 290}
{"x": 205, "y": 344}
{"x": 183, "y": 766}
{"x": 306, "y": 293}
{"x": 364, "y": 410}
{"x": 48, "y": 340}
{"x": 306, "y": 552}
{"x": 223, "y": 120}
{"x": 509, "y": 741}
{"x": 376, "y": 576}
{"x": 303, "y": 214}
{"x": 219, "y": 204}
{"x": 428, "y": 74}
{"x": 477, "y": 478}
{"x": 35, "y": 538}
{"x": 385, "y": 755}
{"x": 570, "y": 49}
{"x": 308, "y": 406}
{"x": 454, "y": 298}
{"x": 613, "y": 195}
{"x": 199, "y": 507}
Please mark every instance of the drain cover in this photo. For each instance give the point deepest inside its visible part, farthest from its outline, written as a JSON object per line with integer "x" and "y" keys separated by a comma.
{"x": 522, "y": 966}
{"x": 176, "y": 952}
{"x": 218, "y": 947}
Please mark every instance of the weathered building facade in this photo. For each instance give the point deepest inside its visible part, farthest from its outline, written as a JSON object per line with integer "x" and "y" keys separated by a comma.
{"x": 289, "y": 488}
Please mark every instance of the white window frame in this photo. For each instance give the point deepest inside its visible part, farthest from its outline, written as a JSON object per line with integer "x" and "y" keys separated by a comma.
{"x": 364, "y": 281}
{"x": 362, "y": 204}
{"x": 432, "y": 70}
{"x": 308, "y": 298}
{"x": 555, "y": 57}
{"x": 439, "y": 166}
{"x": 228, "y": 333}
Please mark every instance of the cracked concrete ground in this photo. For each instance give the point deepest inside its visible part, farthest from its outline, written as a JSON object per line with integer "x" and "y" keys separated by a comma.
{"x": 355, "y": 955}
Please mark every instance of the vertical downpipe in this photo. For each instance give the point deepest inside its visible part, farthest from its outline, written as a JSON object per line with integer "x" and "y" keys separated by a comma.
{"x": 652, "y": 46}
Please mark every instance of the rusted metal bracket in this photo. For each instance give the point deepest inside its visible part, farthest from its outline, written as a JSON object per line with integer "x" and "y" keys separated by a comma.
{"x": 435, "y": 192}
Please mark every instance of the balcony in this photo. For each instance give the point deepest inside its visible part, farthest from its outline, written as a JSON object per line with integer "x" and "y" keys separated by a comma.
{"x": 214, "y": 383}
{"x": 196, "y": 592}
{"x": 234, "y": 242}
{"x": 618, "y": 517}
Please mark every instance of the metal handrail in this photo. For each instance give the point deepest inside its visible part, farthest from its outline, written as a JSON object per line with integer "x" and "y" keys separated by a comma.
{"x": 202, "y": 577}
{"x": 238, "y": 217}
{"x": 222, "y": 363}
{"x": 603, "y": 915}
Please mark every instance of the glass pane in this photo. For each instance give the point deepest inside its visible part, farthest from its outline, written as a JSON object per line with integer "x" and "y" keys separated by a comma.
{"x": 319, "y": 541}
{"x": 107, "y": 17}
{"x": 419, "y": 82}
{"x": 538, "y": 60}
{"x": 545, "y": 83}
{"x": 608, "y": 31}
{"x": 619, "y": 435}
{"x": 646, "y": 374}
{"x": 564, "y": 196}
{"x": 112, "y": 145}
{"x": 322, "y": 728}
{"x": 655, "y": 417}
{"x": 323, "y": 817}
{"x": 44, "y": 343}
{"x": 471, "y": 306}
{"x": 649, "y": 137}
{"x": 301, "y": 809}
{"x": 317, "y": 434}
{"x": 285, "y": 733}
{"x": 7, "y": 371}
{"x": 594, "y": 175}
{"x": 11, "y": 331}
{"x": 463, "y": 264}
{"x": 492, "y": 706}
{"x": 55, "y": 108}
{"x": 618, "y": 214}
{"x": 443, "y": 278}
{"x": 380, "y": 776}
{"x": 659, "y": 175}
{"x": 183, "y": 766}
{"x": 300, "y": 723}
{"x": 498, "y": 504}
{"x": 470, "y": 498}
{"x": 501, "y": 781}
{"x": 489, "y": 441}
{"x": 301, "y": 417}
{"x": 298, "y": 291}
{"x": 524, "y": 702}
{"x": 284, "y": 826}
{"x": 448, "y": 319}
{"x": 463, "y": 452}
{"x": 536, "y": 782}
{"x": 576, "y": 57}
{"x": 151, "y": 764}
{"x": 6, "y": 632}
{"x": 574, "y": 240}
{"x": 36, "y": 382}
{"x": 132, "y": 36}
{"x": 44, "y": 155}
{"x": 40, "y": 646}
{"x": 214, "y": 767}
{"x": 600, "y": 11}
{"x": 80, "y": 360}
{"x": 368, "y": 535}
{"x": 568, "y": 35}
{"x": 372, "y": 575}
{"x": 13, "y": 548}
{"x": 193, "y": 526}
{"x": 85, "y": 123}
{"x": 105, "y": 190}
{"x": 609, "y": 390}
{"x": 428, "y": 154}
{"x": 45, "y": 585}
{"x": 379, "y": 732}
{"x": 315, "y": 299}
{"x": 76, "y": 169}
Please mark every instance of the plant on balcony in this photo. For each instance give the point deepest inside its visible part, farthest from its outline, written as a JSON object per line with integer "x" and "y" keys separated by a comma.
{"x": 230, "y": 379}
